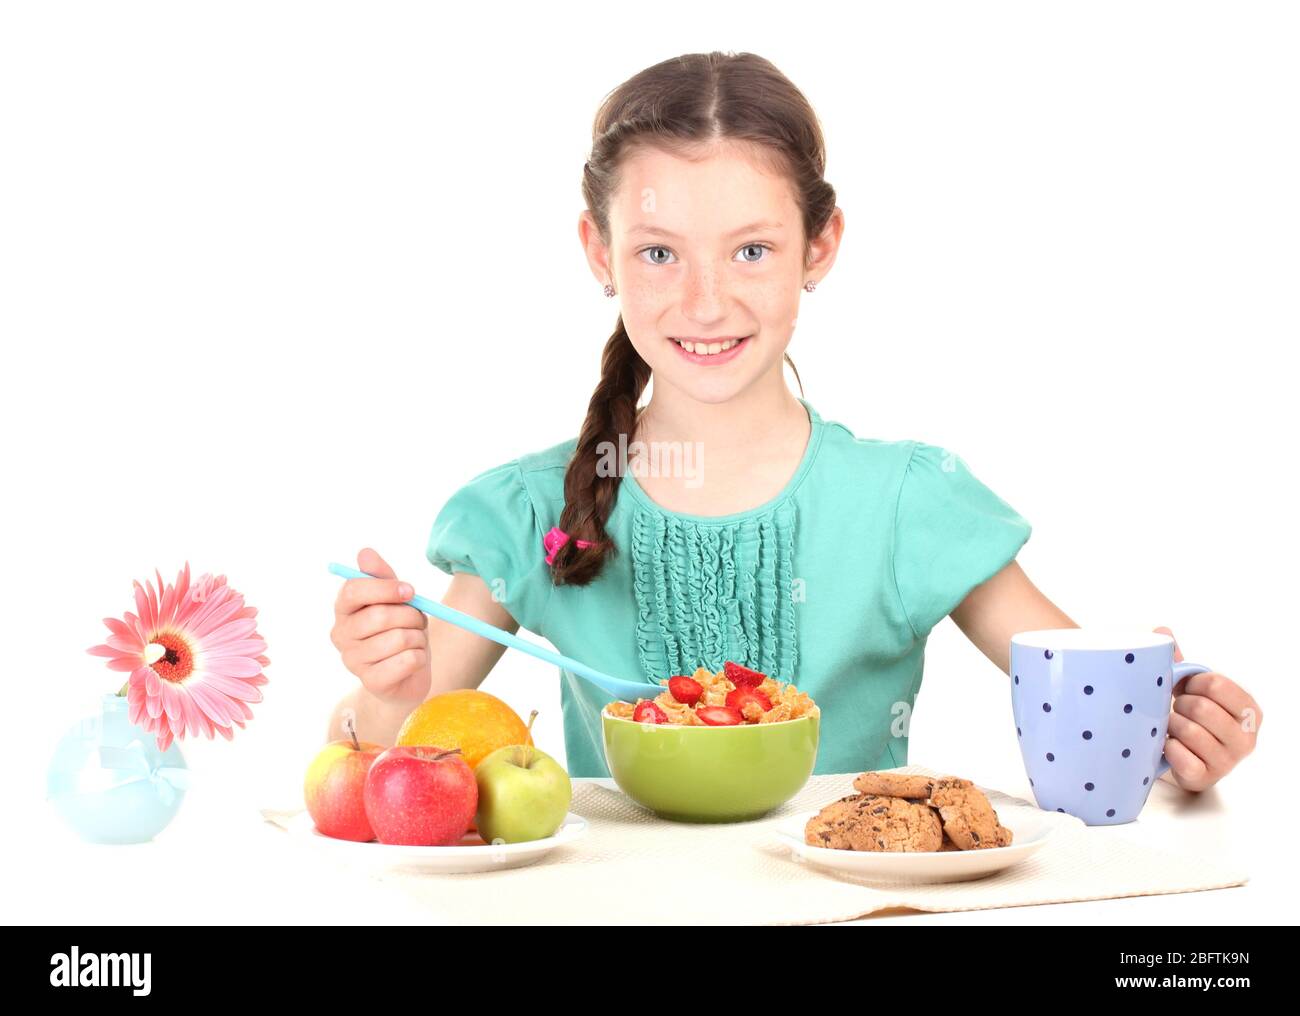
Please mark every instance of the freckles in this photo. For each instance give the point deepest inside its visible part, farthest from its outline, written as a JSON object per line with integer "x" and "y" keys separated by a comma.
{"x": 773, "y": 297}
{"x": 646, "y": 293}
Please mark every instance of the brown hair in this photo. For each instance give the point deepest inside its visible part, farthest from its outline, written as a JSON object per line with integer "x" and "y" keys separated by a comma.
{"x": 677, "y": 105}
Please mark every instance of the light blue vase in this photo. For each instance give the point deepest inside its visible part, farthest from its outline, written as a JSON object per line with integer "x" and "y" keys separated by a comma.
{"x": 110, "y": 782}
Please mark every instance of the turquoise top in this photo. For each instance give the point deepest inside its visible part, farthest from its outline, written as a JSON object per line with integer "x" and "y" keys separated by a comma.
{"x": 833, "y": 585}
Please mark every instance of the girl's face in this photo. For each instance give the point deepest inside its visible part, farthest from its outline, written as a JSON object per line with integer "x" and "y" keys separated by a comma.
{"x": 706, "y": 253}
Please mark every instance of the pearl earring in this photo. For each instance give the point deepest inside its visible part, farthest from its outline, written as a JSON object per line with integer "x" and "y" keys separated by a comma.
{"x": 609, "y": 290}
{"x": 810, "y": 285}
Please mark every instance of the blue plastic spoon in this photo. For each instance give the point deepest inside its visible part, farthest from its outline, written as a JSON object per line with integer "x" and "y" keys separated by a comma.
{"x": 617, "y": 686}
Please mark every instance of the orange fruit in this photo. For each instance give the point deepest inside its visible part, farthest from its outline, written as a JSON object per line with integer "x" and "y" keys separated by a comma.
{"x": 473, "y": 721}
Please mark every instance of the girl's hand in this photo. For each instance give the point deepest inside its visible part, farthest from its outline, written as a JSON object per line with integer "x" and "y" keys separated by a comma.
{"x": 383, "y": 640}
{"x": 1212, "y": 727}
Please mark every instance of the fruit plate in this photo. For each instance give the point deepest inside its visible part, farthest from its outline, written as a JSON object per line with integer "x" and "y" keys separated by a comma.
{"x": 470, "y": 855}
{"x": 1032, "y": 830}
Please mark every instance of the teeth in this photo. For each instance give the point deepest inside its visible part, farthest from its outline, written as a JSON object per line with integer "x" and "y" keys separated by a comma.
{"x": 709, "y": 349}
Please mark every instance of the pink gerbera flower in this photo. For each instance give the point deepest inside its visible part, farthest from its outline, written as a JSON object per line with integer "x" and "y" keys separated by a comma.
{"x": 194, "y": 657}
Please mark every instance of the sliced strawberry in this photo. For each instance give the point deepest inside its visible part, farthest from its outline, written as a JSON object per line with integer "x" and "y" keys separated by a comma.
{"x": 649, "y": 712}
{"x": 743, "y": 677}
{"x": 720, "y": 716}
{"x": 685, "y": 690}
{"x": 737, "y": 697}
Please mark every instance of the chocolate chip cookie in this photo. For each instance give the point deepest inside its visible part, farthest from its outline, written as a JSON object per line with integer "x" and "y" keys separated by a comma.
{"x": 894, "y": 785}
{"x": 968, "y": 818}
{"x": 874, "y": 822}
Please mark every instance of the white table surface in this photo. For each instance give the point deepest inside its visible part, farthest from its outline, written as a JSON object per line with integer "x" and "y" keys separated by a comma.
{"x": 220, "y": 862}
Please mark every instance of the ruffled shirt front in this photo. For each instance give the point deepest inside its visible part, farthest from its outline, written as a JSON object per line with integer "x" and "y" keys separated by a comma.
{"x": 709, "y": 592}
{"x": 833, "y": 585}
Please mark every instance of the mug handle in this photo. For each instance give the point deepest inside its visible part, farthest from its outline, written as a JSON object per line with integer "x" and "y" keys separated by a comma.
{"x": 1181, "y": 670}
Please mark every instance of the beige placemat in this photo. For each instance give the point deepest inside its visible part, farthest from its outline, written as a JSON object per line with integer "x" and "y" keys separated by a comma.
{"x": 634, "y": 868}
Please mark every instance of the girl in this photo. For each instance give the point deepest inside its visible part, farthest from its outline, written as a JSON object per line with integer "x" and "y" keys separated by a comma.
{"x": 812, "y": 555}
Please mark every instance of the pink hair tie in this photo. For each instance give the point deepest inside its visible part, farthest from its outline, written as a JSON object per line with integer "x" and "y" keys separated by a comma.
{"x": 556, "y": 539}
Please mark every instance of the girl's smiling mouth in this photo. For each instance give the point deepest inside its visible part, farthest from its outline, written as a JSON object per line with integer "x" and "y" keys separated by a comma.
{"x": 710, "y": 351}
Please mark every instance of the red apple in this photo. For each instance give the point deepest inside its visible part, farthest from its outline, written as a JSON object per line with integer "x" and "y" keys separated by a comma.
{"x": 335, "y": 788}
{"x": 420, "y": 796}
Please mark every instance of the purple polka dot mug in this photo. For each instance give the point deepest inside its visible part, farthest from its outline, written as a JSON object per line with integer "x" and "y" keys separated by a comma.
{"x": 1091, "y": 709}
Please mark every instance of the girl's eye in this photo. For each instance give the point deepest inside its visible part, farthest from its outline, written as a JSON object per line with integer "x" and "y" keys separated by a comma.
{"x": 743, "y": 251}
{"x": 649, "y": 249}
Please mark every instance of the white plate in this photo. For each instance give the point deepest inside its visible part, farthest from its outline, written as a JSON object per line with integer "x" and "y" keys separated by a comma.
{"x": 471, "y": 854}
{"x": 1031, "y": 828}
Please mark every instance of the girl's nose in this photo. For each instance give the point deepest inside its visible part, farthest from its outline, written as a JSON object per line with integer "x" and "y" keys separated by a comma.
{"x": 705, "y": 294}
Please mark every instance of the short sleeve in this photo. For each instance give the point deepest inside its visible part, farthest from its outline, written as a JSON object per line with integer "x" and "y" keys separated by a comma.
{"x": 489, "y": 527}
{"x": 951, "y": 533}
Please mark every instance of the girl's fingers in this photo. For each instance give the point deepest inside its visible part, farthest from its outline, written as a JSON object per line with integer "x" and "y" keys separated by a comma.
{"x": 1229, "y": 695}
{"x": 372, "y": 620}
{"x": 380, "y": 647}
{"x": 1214, "y": 718}
{"x": 393, "y": 671}
{"x": 357, "y": 594}
{"x": 1178, "y": 653}
{"x": 385, "y": 587}
{"x": 368, "y": 560}
{"x": 1204, "y": 745}
{"x": 1192, "y": 772}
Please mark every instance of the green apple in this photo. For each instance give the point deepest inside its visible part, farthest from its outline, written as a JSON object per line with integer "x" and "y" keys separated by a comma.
{"x": 523, "y": 794}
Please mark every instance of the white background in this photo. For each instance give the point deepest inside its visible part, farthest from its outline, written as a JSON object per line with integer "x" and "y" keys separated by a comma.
{"x": 276, "y": 279}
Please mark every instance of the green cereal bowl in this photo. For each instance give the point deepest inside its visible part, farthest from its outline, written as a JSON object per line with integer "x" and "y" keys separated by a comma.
{"x": 711, "y": 774}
